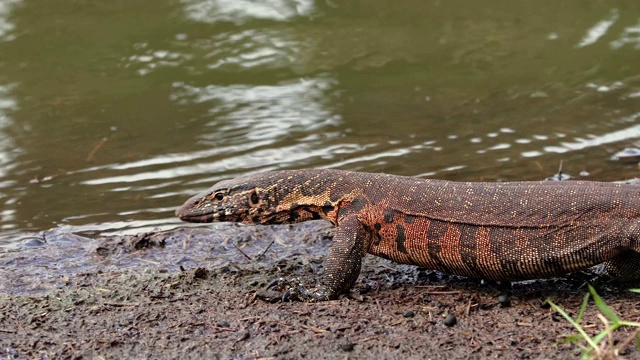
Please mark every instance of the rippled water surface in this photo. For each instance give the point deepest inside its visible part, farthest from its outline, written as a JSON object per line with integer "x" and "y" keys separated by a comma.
{"x": 112, "y": 113}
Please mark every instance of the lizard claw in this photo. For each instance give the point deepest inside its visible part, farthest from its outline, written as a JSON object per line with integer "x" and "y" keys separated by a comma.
{"x": 291, "y": 290}
{"x": 282, "y": 283}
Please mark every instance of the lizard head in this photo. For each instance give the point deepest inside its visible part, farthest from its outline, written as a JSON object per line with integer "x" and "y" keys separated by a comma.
{"x": 277, "y": 197}
{"x": 225, "y": 201}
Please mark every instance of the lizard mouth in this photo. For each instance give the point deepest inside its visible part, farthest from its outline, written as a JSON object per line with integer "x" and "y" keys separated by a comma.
{"x": 188, "y": 213}
{"x": 198, "y": 218}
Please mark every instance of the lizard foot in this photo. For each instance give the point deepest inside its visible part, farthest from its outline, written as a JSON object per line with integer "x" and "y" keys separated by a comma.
{"x": 291, "y": 290}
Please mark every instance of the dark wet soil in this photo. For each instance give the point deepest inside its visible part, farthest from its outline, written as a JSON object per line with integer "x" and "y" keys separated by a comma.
{"x": 125, "y": 302}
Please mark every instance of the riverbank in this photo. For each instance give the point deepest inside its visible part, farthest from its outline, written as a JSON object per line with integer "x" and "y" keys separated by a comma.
{"x": 162, "y": 295}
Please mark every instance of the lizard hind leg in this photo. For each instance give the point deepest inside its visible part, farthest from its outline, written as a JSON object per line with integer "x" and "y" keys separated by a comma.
{"x": 624, "y": 267}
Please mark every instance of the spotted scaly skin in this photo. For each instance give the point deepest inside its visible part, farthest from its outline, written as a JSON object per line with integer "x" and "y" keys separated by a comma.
{"x": 498, "y": 231}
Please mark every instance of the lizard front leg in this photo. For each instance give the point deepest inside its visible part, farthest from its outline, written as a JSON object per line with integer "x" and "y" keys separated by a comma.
{"x": 342, "y": 267}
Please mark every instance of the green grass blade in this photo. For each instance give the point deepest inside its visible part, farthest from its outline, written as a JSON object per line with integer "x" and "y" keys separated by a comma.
{"x": 575, "y": 325}
{"x": 583, "y": 308}
{"x": 571, "y": 338}
{"x": 601, "y": 335}
{"x": 635, "y": 290}
{"x": 604, "y": 308}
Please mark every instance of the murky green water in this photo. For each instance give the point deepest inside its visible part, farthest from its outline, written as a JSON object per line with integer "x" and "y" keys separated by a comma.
{"x": 112, "y": 113}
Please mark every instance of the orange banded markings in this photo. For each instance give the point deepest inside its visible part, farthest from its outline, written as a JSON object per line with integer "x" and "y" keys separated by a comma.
{"x": 450, "y": 250}
{"x": 488, "y": 260}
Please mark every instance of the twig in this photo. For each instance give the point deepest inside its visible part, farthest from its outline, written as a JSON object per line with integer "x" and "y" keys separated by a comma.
{"x": 242, "y": 252}
{"x": 222, "y": 329}
{"x": 20, "y": 326}
{"x": 468, "y": 309}
{"x": 267, "y": 249}
{"x": 366, "y": 339}
{"x": 315, "y": 330}
{"x": 560, "y": 171}
{"x": 92, "y": 153}
{"x": 121, "y": 304}
{"x": 442, "y": 292}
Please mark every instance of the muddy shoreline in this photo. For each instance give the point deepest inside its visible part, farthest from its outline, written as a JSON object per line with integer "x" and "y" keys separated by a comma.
{"x": 164, "y": 296}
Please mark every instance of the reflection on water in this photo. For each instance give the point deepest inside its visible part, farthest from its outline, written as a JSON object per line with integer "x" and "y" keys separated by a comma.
{"x": 6, "y": 26}
{"x": 263, "y": 112}
{"x": 203, "y": 90}
{"x": 8, "y": 152}
{"x": 618, "y": 136}
{"x": 630, "y": 35}
{"x": 600, "y": 29}
{"x": 239, "y": 11}
{"x": 8, "y": 149}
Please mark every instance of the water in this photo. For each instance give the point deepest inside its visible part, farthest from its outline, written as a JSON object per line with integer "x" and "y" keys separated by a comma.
{"x": 113, "y": 113}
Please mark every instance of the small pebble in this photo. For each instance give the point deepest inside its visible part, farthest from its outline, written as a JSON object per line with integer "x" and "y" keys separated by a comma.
{"x": 409, "y": 314}
{"x": 200, "y": 273}
{"x": 345, "y": 344}
{"x": 223, "y": 324}
{"x": 504, "y": 301}
{"x": 450, "y": 320}
{"x": 245, "y": 336}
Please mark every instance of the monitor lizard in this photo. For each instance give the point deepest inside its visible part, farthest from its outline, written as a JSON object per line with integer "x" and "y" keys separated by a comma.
{"x": 503, "y": 231}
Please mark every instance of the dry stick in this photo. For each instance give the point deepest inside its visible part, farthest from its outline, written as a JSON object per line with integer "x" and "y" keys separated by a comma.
{"x": 92, "y": 153}
{"x": 250, "y": 318}
{"x": 120, "y": 304}
{"x": 242, "y": 252}
{"x": 468, "y": 309}
{"x": 20, "y": 325}
{"x": 267, "y": 249}
{"x": 314, "y": 329}
{"x": 442, "y": 292}
{"x": 524, "y": 324}
{"x": 560, "y": 171}
{"x": 379, "y": 307}
{"x": 221, "y": 329}
{"x": 367, "y": 339}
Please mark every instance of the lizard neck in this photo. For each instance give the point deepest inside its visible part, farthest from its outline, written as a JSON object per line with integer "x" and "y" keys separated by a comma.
{"x": 308, "y": 195}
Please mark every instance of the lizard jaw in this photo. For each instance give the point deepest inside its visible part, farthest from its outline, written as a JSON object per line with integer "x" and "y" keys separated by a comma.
{"x": 205, "y": 215}
{"x": 195, "y": 212}
{"x": 198, "y": 218}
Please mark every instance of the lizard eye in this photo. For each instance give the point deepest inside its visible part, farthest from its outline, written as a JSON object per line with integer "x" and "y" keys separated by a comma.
{"x": 219, "y": 196}
{"x": 254, "y": 198}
